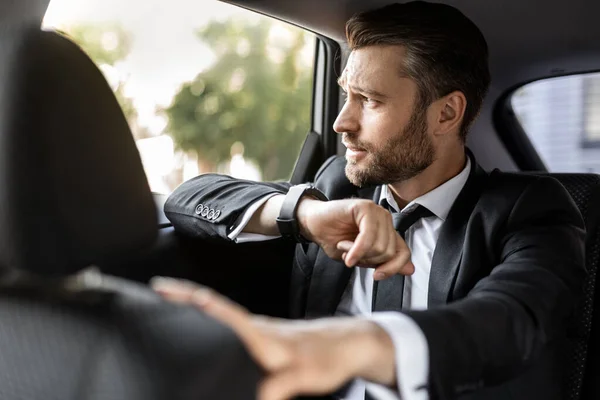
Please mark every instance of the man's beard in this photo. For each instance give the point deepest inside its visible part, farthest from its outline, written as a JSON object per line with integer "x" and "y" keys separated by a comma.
{"x": 401, "y": 158}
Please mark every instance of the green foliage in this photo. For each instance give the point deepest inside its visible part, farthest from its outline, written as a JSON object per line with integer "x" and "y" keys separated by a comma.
{"x": 105, "y": 44}
{"x": 246, "y": 96}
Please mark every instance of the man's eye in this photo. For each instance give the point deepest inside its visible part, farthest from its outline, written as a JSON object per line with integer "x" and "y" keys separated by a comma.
{"x": 368, "y": 100}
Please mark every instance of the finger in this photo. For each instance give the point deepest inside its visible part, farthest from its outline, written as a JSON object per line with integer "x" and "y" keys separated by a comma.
{"x": 399, "y": 264}
{"x": 360, "y": 263}
{"x": 385, "y": 271}
{"x": 177, "y": 290}
{"x": 408, "y": 269}
{"x": 267, "y": 352}
{"x": 344, "y": 245}
{"x": 383, "y": 250}
{"x": 212, "y": 303}
{"x": 290, "y": 383}
{"x": 278, "y": 386}
{"x": 367, "y": 236}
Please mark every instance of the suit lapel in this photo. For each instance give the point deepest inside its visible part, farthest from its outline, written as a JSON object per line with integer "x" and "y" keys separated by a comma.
{"x": 330, "y": 277}
{"x": 449, "y": 248}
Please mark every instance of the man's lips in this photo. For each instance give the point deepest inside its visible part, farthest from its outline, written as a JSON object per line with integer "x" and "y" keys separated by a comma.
{"x": 354, "y": 153}
{"x": 353, "y": 148}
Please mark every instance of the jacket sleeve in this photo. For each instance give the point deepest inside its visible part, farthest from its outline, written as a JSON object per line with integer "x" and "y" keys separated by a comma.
{"x": 189, "y": 206}
{"x": 510, "y": 316}
{"x": 209, "y": 206}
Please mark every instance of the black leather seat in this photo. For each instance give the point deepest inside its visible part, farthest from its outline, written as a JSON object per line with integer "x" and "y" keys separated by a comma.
{"x": 582, "y": 345}
{"x": 74, "y": 195}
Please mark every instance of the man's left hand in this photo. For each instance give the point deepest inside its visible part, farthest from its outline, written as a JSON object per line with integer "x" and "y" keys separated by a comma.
{"x": 299, "y": 357}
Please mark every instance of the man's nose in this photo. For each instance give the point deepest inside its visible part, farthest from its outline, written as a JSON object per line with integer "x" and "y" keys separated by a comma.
{"x": 347, "y": 120}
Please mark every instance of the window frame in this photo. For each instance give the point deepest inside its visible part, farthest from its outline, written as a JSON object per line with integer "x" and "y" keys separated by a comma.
{"x": 586, "y": 141}
{"x": 512, "y": 134}
{"x": 321, "y": 141}
{"x": 325, "y": 88}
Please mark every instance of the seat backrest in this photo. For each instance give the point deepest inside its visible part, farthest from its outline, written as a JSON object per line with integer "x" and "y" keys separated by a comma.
{"x": 73, "y": 195}
{"x": 585, "y": 191}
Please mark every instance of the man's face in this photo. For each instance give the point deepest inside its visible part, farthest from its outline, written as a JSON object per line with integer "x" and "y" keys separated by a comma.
{"x": 384, "y": 127}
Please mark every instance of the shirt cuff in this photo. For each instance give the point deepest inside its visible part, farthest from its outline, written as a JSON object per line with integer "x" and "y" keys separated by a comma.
{"x": 411, "y": 352}
{"x": 241, "y": 237}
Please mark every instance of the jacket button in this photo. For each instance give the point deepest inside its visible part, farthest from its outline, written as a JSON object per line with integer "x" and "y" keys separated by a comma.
{"x": 205, "y": 211}
{"x": 198, "y": 209}
{"x": 211, "y": 214}
{"x": 217, "y": 213}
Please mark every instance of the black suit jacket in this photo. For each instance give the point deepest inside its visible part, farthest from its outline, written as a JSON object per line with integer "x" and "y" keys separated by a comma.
{"x": 507, "y": 269}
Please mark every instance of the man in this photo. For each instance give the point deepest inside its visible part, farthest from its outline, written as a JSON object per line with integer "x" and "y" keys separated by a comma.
{"x": 451, "y": 281}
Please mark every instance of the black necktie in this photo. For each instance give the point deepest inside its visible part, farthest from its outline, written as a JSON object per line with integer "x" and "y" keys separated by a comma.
{"x": 387, "y": 294}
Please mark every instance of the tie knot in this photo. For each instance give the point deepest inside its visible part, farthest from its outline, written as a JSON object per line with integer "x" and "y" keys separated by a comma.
{"x": 403, "y": 221}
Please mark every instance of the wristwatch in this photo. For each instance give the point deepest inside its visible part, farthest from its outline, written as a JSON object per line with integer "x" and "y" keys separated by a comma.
{"x": 287, "y": 222}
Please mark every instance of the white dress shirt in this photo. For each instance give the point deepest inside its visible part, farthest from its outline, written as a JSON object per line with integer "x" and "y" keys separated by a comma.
{"x": 410, "y": 344}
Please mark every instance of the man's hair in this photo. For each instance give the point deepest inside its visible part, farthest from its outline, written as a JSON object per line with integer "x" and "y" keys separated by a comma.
{"x": 445, "y": 51}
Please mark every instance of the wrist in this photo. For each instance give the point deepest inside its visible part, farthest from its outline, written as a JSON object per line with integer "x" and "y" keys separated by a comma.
{"x": 270, "y": 212}
{"x": 303, "y": 212}
{"x": 288, "y": 220}
{"x": 263, "y": 220}
{"x": 377, "y": 362}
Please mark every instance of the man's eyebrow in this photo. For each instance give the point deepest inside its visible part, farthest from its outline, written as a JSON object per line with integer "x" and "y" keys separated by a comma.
{"x": 370, "y": 92}
{"x": 341, "y": 81}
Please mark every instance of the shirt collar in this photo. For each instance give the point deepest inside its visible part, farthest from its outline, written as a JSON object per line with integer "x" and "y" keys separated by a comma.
{"x": 438, "y": 201}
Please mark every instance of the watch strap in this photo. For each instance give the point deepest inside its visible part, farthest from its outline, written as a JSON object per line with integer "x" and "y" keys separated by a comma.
{"x": 286, "y": 221}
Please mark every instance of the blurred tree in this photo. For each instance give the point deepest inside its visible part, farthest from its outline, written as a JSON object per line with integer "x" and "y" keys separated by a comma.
{"x": 257, "y": 92}
{"x": 108, "y": 45}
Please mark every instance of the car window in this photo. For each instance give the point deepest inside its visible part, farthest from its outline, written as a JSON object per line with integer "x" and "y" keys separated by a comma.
{"x": 561, "y": 117}
{"x": 205, "y": 86}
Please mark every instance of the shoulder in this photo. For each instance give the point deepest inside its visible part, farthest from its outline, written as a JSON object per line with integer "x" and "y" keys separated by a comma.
{"x": 517, "y": 183}
{"x": 536, "y": 193}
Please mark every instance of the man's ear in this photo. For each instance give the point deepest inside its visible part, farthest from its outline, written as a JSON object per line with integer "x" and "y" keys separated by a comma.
{"x": 450, "y": 113}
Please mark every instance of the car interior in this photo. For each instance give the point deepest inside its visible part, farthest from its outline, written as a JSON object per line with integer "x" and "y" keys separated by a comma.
{"x": 69, "y": 332}
{"x": 60, "y": 218}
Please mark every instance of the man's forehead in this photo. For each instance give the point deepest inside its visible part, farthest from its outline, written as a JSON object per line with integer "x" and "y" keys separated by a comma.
{"x": 373, "y": 65}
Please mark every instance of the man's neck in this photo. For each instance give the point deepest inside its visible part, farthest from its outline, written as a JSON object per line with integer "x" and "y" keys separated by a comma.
{"x": 440, "y": 171}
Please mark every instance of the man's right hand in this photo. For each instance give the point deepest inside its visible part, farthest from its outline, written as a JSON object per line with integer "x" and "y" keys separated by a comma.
{"x": 297, "y": 357}
{"x": 357, "y": 231}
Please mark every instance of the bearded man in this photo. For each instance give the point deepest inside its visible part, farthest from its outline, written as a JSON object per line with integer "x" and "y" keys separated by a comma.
{"x": 431, "y": 278}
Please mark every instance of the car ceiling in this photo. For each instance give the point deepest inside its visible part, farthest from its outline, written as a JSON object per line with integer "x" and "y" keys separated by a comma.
{"x": 527, "y": 39}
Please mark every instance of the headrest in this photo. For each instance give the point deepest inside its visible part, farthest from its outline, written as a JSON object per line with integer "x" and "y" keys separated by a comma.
{"x": 73, "y": 192}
